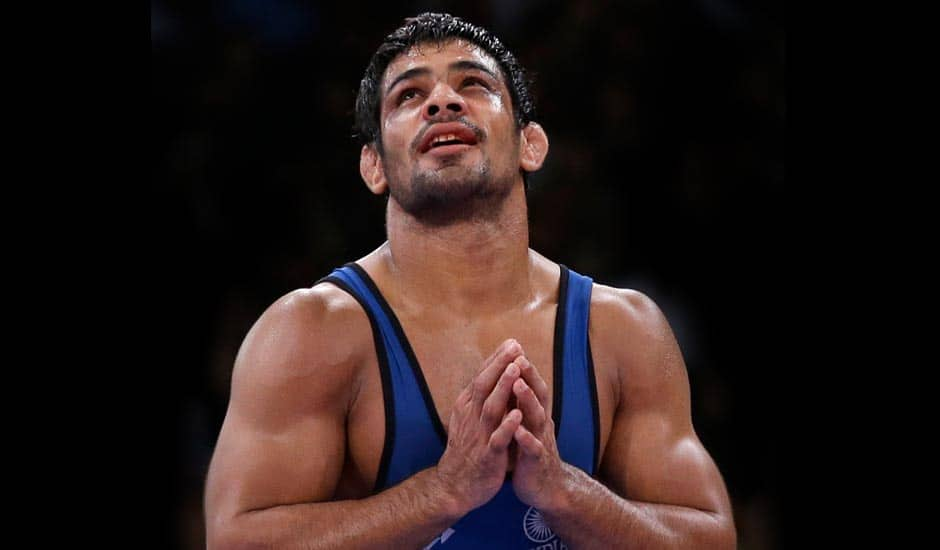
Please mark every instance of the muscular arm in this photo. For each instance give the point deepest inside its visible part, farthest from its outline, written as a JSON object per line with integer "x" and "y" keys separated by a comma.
{"x": 658, "y": 487}
{"x": 281, "y": 448}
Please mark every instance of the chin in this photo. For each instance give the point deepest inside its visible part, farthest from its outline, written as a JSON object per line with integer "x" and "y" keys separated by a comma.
{"x": 451, "y": 193}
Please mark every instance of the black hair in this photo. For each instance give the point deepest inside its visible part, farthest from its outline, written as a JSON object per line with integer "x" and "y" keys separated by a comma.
{"x": 436, "y": 28}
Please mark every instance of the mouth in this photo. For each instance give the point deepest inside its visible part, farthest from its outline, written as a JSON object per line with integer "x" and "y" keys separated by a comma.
{"x": 448, "y": 138}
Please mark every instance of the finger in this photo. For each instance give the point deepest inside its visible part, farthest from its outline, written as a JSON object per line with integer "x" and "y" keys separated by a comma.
{"x": 495, "y": 405}
{"x": 502, "y": 436}
{"x": 493, "y": 368}
{"x": 535, "y": 381}
{"x": 501, "y": 348}
{"x": 529, "y": 445}
{"x": 528, "y": 403}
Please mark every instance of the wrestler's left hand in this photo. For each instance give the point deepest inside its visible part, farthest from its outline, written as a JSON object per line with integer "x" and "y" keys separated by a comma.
{"x": 539, "y": 472}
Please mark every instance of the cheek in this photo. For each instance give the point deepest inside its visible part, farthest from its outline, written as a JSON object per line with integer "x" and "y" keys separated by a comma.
{"x": 505, "y": 125}
{"x": 388, "y": 132}
{"x": 397, "y": 138}
{"x": 497, "y": 104}
{"x": 392, "y": 125}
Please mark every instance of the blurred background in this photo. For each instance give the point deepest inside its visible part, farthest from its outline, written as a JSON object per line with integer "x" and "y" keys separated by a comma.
{"x": 665, "y": 174}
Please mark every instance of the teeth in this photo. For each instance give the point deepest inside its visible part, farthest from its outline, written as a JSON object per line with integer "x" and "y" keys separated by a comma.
{"x": 445, "y": 137}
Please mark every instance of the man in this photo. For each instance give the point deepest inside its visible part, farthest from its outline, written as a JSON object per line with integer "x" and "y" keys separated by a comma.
{"x": 567, "y": 402}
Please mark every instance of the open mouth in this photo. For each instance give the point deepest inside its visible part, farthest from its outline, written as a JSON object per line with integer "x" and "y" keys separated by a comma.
{"x": 448, "y": 137}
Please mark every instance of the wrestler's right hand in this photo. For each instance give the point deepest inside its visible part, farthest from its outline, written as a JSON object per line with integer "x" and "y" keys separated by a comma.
{"x": 473, "y": 466}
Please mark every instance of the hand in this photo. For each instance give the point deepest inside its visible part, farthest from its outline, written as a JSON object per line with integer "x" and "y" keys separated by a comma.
{"x": 473, "y": 466}
{"x": 539, "y": 470}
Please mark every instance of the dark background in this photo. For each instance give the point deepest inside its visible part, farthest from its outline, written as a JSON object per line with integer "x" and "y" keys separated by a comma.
{"x": 665, "y": 174}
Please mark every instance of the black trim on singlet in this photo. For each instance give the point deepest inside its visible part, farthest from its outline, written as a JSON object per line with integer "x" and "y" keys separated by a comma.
{"x": 387, "y": 394}
{"x": 594, "y": 405}
{"x": 559, "y": 347}
{"x": 406, "y": 346}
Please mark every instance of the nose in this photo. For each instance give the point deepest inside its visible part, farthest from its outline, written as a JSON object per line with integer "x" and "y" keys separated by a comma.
{"x": 444, "y": 102}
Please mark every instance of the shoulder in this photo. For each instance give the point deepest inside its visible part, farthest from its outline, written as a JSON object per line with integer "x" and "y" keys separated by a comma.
{"x": 630, "y": 331}
{"x": 310, "y": 342}
{"x": 625, "y": 312}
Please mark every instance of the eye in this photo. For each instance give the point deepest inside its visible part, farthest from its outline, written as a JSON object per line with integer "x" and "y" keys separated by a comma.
{"x": 407, "y": 94}
{"x": 474, "y": 81}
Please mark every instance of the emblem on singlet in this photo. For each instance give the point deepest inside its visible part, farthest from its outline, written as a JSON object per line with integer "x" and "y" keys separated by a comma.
{"x": 535, "y": 527}
{"x": 441, "y": 539}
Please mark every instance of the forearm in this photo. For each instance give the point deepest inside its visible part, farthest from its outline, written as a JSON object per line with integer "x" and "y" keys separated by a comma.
{"x": 408, "y": 515}
{"x": 589, "y": 515}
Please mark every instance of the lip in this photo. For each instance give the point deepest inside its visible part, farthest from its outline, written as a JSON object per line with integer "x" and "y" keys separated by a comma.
{"x": 464, "y": 133}
{"x": 447, "y": 150}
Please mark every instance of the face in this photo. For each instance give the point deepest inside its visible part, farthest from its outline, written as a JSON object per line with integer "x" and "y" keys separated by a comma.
{"x": 447, "y": 129}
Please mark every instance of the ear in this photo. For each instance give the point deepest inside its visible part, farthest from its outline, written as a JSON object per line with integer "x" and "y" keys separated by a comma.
{"x": 534, "y": 147}
{"x": 371, "y": 169}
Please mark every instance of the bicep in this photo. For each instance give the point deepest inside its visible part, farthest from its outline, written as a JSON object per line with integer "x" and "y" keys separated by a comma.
{"x": 652, "y": 458}
{"x": 653, "y": 454}
{"x": 283, "y": 437}
{"x": 257, "y": 465}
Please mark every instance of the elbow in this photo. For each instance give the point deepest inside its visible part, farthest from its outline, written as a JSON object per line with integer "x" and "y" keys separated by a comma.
{"x": 220, "y": 539}
{"x": 713, "y": 531}
{"x": 227, "y": 534}
{"x": 236, "y": 545}
{"x": 729, "y": 540}
{"x": 726, "y": 540}
{"x": 231, "y": 542}
{"x": 725, "y": 535}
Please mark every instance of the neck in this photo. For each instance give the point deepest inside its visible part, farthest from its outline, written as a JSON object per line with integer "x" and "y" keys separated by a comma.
{"x": 472, "y": 267}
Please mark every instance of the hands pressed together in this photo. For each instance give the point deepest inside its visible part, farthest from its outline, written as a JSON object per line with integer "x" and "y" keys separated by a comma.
{"x": 485, "y": 422}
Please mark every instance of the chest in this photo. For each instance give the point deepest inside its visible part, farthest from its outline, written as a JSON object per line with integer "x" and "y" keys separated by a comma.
{"x": 452, "y": 354}
{"x": 449, "y": 354}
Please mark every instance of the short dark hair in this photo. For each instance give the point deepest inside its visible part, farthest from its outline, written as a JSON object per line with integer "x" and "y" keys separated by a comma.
{"x": 436, "y": 28}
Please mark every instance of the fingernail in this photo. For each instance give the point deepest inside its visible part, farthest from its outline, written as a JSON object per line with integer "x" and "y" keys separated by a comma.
{"x": 513, "y": 370}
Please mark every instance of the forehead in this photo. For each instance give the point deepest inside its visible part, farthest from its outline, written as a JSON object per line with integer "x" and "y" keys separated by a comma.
{"x": 437, "y": 57}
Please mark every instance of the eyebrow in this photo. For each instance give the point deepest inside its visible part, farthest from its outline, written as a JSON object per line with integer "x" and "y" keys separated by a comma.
{"x": 464, "y": 65}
